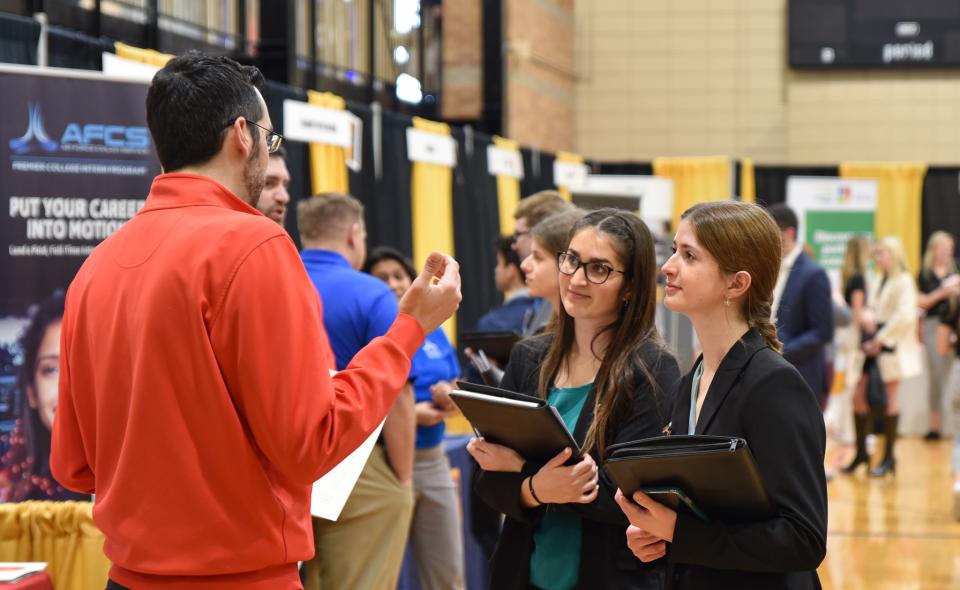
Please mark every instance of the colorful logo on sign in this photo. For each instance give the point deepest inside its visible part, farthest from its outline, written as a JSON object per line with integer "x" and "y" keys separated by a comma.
{"x": 846, "y": 193}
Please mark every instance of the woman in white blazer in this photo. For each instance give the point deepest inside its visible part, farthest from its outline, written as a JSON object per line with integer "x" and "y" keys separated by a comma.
{"x": 892, "y": 319}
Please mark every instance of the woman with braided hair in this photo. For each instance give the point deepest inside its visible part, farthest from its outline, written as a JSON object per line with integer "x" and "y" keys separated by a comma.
{"x": 721, "y": 276}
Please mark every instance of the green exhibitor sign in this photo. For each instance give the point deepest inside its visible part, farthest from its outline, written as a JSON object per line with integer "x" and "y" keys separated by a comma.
{"x": 827, "y": 233}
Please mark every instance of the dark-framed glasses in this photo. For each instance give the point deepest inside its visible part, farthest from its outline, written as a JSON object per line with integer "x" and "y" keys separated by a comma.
{"x": 596, "y": 272}
{"x": 274, "y": 139}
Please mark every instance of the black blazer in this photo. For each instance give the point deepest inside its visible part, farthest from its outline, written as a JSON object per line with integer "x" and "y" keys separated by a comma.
{"x": 759, "y": 396}
{"x": 805, "y": 322}
{"x": 605, "y": 560}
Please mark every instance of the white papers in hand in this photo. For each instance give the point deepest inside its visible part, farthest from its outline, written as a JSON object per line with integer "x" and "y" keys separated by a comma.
{"x": 11, "y": 572}
{"x": 331, "y": 491}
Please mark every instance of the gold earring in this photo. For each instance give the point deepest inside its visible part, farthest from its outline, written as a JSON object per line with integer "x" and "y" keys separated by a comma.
{"x": 726, "y": 301}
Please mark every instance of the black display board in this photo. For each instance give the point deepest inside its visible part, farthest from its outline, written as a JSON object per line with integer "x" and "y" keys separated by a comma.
{"x": 873, "y": 33}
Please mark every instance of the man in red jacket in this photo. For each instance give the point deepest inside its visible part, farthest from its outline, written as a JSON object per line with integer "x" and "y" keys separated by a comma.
{"x": 195, "y": 398}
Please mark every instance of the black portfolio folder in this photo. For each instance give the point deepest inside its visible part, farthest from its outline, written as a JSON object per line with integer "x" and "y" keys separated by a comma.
{"x": 528, "y": 425}
{"x": 717, "y": 473}
{"x": 496, "y": 345}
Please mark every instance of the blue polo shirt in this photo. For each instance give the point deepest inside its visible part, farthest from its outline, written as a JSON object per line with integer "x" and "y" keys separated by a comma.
{"x": 357, "y": 307}
{"x": 435, "y": 361}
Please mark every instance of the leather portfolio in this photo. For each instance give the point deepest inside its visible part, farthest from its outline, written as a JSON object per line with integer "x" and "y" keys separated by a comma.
{"x": 528, "y": 425}
{"x": 717, "y": 473}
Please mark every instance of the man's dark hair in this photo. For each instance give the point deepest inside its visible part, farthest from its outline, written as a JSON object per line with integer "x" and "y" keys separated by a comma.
{"x": 280, "y": 153}
{"x": 510, "y": 257}
{"x": 191, "y": 101}
{"x": 784, "y": 216}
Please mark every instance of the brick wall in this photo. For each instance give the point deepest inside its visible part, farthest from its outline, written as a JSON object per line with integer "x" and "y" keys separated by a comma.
{"x": 462, "y": 60}
{"x": 694, "y": 77}
{"x": 539, "y": 78}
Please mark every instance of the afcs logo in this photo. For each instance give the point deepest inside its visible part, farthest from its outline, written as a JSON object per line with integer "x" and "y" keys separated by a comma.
{"x": 78, "y": 137}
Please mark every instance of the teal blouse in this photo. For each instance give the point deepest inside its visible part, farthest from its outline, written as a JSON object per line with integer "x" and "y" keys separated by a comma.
{"x": 555, "y": 563}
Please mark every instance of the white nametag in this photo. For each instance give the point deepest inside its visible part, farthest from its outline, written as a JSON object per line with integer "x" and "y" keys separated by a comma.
{"x": 431, "y": 148}
{"x": 501, "y": 162}
{"x": 312, "y": 124}
{"x": 569, "y": 174}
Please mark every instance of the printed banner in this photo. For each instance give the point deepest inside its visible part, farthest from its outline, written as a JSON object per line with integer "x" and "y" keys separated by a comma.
{"x": 830, "y": 211}
{"x": 76, "y": 162}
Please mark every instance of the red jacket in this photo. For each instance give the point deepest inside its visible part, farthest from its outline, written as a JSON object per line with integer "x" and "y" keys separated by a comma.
{"x": 195, "y": 397}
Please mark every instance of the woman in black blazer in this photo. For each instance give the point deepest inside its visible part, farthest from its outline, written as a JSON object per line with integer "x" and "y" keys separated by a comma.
{"x": 721, "y": 276}
{"x": 607, "y": 373}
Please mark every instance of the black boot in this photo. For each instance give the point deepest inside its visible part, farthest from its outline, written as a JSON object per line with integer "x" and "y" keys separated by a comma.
{"x": 889, "y": 464}
{"x": 860, "y": 427}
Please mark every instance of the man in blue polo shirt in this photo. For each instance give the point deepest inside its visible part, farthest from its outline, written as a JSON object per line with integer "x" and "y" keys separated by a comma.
{"x": 364, "y": 548}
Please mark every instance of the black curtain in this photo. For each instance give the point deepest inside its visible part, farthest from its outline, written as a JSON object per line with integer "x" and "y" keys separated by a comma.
{"x": 389, "y": 216}
{"x": 18, "y": 39}
{"x": 70, "y": 49}
{"x": 941, "y": 202}
{"x": 537, "y": 171}
{"x": 476, "y": 225}
{"x": 771, "y": 181}
{"x": 363, "y": 183}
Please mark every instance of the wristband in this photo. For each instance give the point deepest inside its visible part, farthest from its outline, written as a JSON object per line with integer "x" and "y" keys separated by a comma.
{"x": 533, "y": 493}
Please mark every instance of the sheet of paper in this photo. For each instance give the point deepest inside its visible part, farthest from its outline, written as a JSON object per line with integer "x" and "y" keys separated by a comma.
{"x": 10, "y": 572}
{"x": 331, "y": 491}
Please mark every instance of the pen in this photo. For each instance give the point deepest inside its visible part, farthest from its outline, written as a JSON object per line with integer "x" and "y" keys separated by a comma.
{"x": 483, "y": 355}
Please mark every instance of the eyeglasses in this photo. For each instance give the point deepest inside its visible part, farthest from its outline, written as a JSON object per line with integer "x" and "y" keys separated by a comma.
{"x": 596, "y": 272}
{"x": 274, "y": 139}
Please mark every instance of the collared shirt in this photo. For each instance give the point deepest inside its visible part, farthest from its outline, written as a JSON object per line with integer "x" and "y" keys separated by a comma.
{"x": 512, "y": 316}
{"x": 521, "y": 292}
{"x": 786, "y": 265}
{"x": 195, "y": 395}
{"x": 537, "y": 317}
{"x": 357, "y": 307}
{"x": 694, "y": 397}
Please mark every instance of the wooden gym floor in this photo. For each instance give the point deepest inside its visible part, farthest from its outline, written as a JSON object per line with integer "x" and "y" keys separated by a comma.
{"x": 898, "y": 532}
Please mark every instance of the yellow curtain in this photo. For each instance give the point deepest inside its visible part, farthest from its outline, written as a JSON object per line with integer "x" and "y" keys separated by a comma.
{"x": 150, "y": 57}
{"x": 899, "y": 200}
{"x": 572, "y": 159}
{"x": 59, "y": 533}
{"x": 431, "y": 193}
{"x": 328, "y": 163}
{"x": 695, "y": 180}
{"x": 508, "y": 189}
{"x": 748, "y": 183}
